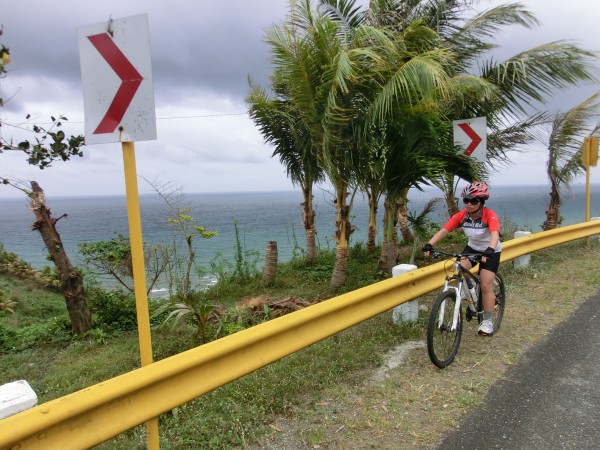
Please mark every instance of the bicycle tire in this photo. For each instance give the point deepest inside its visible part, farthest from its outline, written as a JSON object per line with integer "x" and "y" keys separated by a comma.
{"x": 500, "y": 295}
{"x": 442, "y": 344}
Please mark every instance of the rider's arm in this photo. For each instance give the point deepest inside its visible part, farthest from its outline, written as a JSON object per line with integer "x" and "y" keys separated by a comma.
{"x": 494, "y": 239}
{"x": 453, "y": 223}
{"x": 438, "y": 236}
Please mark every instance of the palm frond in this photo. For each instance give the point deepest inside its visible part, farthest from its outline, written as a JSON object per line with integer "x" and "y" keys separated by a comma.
{"x": 477, "y": 35}
{"x": 533, "y": 75}
{"x": 344, "y": 11}
{"x": 566, "y": 137}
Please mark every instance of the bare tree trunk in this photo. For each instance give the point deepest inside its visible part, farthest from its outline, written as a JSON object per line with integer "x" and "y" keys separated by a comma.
{"x": 70, "y": 278}
{"x": 187, "y": 283}
{"x": 270, "y": 269}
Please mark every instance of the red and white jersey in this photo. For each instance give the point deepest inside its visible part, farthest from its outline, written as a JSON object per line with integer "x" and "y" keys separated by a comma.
{"x": 477, "y": 230}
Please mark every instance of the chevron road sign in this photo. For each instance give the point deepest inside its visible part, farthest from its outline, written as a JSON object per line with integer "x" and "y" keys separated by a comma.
{"x": 116, "y": 74}
{"x": 470, "y": 135}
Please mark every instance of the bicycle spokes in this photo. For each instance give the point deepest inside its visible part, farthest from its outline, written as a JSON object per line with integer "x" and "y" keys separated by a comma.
{"x": 442, "y": 338}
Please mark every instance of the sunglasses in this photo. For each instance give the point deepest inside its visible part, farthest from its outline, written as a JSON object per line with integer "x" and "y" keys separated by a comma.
{"x": 471, "y": 201}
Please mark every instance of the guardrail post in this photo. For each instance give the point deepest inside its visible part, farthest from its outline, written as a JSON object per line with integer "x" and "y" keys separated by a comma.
{"x": 408, "y": 311}
{"x": 522, "y": 261}
{"x": 16, "y": 397}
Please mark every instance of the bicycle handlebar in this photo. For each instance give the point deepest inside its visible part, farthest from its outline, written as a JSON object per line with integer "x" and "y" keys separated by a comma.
{"x": 472, "y": 256}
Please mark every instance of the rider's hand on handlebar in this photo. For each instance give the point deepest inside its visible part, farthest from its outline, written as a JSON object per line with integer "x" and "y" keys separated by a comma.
{"x": 488, "y": 253}
{"x": 427, "y": 248}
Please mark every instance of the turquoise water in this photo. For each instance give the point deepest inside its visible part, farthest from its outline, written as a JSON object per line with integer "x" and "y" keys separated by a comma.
{"x": 261, "y": 217}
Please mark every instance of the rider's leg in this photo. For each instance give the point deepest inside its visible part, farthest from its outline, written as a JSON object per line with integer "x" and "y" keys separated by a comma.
{"x": 486, "y": 279}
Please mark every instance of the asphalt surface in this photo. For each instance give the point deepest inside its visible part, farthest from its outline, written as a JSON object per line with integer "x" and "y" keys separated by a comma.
{"x": 549, "y": 400}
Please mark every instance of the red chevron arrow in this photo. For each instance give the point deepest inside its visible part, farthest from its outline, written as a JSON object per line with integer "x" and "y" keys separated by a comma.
{"x": 475, "y": 139}
{"x": 130, "y": 82}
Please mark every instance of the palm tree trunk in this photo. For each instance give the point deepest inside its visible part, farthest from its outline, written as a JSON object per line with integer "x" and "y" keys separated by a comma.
{"x": 389, "y": 247}
{"x": 553, "y": 213}
{"x": 383, "y": 257}
{"x": 342, "y": 238}
{"x": 270, "y": 269}
{"x": 449, "y": 197}
{"x": 340, "y": 270}
{"x": 402, "y": 207}
{"x": 308, "y": 220}
{"x": 372, "y": 232}
{"x": 71, "y": 279}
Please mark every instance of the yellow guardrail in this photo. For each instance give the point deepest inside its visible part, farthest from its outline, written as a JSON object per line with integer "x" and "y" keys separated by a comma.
{"x": 95, "y": 414}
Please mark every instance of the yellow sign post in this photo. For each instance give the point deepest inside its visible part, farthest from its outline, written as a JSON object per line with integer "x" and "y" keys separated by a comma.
{"x": 120, "y": 49}
{"x": 139, "y": 273}
{"x": 589, "y": 158}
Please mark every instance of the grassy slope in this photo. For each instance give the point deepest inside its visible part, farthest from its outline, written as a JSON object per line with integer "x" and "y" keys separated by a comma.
{"x": 324, "y": 395}
{"x": 417, "y": 403}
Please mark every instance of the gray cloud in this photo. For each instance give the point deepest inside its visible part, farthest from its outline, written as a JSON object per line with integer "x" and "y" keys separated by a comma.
{"x": 202, "y": 54}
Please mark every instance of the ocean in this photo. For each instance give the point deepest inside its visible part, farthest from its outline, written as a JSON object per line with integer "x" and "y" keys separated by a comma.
{"x": 260, "y": 217}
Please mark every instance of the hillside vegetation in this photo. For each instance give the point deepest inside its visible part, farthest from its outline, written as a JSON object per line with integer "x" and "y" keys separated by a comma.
{"x": 324, "y": 396}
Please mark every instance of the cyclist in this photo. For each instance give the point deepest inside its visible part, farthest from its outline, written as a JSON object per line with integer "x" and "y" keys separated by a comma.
{"x": 482, "y": 227}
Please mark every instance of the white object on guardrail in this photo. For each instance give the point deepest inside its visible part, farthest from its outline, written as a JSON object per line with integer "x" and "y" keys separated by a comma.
{"x": 522, "y": 261}
{"x": 16, "y": 397}
{"x": 408, "y": 311}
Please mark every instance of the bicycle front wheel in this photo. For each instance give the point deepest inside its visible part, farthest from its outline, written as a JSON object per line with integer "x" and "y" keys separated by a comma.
{"x": 442, "y": 341}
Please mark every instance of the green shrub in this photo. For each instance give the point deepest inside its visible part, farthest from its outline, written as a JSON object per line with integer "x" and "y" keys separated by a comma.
{"x": 50, "y": 277}
{"x": 51, "y": 332}
{"x": 112, "y": 310}
{"x": 8, "y": 337}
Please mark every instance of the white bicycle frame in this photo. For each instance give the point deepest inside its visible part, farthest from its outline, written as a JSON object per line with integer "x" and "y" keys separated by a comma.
{"x": 458, "y": 290}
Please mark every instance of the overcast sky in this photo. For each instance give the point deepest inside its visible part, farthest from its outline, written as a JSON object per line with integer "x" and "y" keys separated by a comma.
{"x": 202, "y": 54}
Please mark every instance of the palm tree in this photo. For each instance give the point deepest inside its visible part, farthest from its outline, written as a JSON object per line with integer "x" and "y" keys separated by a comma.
{"x": 565, "y": 152}
{"x": 415, "y": 157}
{"x": 518, "y": 82}
{"x": 303, "y": 48}
{"x": 402, "y": 44}
{"x": 345, "y": 77}
{"x": 281, "y": 125}
{"x": 411, "y": 74}
{"x": 320, "y": 63}
{"x": 368, "y": 174}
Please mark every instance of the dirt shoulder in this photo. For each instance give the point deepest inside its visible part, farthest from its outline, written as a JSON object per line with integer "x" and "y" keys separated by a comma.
{"x": 408, "y": 403}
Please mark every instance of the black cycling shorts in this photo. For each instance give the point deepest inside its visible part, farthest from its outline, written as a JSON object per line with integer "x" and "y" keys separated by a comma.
{"x": 492, "y": 264}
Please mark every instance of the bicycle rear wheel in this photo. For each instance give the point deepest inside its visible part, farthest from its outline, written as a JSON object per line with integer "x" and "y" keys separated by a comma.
{"x": 442, "y": 342}
{"x": 499, "y": 293}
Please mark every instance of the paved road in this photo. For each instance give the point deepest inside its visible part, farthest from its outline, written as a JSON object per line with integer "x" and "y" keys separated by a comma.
{"x": 550, "y": 400}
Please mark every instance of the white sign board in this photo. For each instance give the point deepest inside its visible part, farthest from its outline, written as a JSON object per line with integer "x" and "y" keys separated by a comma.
{"x": 471, "y": 136}
{"x": 116, "y": 73}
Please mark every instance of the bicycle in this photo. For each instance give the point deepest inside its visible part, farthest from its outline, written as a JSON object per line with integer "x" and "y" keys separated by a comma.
{"x": 445, "y": 327}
